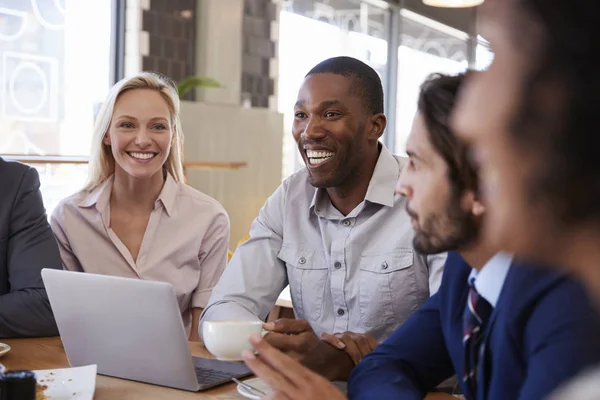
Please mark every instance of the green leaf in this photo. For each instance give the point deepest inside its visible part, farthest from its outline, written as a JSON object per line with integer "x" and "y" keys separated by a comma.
{"x": 192, "y": 82}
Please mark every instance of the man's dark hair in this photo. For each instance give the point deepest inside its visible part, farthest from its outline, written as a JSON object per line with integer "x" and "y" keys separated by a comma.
{"x": 366, "y": 83}
{"x": 436, "y": 102}
{"x": 557, "y": 121}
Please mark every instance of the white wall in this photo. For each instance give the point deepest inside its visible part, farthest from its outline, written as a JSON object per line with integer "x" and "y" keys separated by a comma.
{"x": 219, "y": 49}
{"x": 217, "y": 128}
{"x": 221, "y": 132}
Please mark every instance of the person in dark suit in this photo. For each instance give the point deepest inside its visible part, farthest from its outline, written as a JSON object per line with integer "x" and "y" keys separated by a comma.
{"x": 534, "y": 115}
{"x": 506, "y": 328}
{"x": 27, "y": 245}
{"x": 541, "y": 332}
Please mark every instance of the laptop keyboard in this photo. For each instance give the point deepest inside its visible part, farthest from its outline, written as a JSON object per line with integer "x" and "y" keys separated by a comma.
{"x": 208, "y": 376}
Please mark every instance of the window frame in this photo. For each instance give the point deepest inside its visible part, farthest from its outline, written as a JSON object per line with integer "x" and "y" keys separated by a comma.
{"x": 394, "y": 35}
{"x": 116, "y": 70}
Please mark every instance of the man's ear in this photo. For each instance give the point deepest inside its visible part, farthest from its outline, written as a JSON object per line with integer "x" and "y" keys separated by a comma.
{"x": 471, "y": 201}
{"x": 478, "y": 209}
{"x": 378, "y": 124}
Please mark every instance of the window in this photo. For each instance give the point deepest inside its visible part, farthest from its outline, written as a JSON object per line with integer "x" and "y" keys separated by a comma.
{"x": 312, "y": 31}
{"x": 483, "y": 54}
{"x": 55, "y": 66}
{"x": 426, "y": 47}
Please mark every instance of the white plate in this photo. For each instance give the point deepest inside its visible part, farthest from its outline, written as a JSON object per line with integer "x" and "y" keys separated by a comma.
{"x": 257, "y": 383}
{"x": 4, "y": 348}
{"x": 68, "y": 383}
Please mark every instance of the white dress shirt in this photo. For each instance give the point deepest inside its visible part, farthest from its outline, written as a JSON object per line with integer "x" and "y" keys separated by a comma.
{"x": 489, "y": 281}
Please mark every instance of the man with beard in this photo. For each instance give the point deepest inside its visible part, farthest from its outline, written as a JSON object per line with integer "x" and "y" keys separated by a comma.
{"x": 507, "y": 329}
{"x": 334, "y": 231}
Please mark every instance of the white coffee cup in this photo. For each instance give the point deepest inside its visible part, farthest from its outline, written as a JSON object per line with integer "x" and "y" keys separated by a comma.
{"x": 226, "y": 340}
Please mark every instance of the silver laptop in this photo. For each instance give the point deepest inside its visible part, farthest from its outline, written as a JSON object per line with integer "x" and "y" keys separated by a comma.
{"x": 131, "y": 329}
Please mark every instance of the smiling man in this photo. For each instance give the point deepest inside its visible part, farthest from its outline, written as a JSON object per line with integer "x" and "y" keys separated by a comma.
{"x": 335, "y": 231}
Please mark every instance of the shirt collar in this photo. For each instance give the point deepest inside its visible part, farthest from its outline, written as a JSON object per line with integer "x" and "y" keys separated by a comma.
{"x": 100, "y": 196}
{"x": 168, "y": 194}
{"x": 490, "y": 279}
{"x": 382, "y": 186}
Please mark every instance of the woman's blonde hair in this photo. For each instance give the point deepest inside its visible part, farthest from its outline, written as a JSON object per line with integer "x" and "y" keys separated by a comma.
{"x": 102, "y": 163}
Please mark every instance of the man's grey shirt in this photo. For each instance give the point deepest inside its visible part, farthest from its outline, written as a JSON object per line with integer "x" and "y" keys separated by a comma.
{"x": 354, "y": 273}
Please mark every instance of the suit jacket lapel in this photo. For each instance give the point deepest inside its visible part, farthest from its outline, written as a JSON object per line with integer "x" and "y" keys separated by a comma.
{"x": 485, "y": 361}
{"x": 484, "y": 365}
{"x": 458, "y": 320}
{"x": 521, "y": 284}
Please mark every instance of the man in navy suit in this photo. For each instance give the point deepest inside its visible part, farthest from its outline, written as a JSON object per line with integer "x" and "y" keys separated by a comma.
{"x": 506, "y": 329}
{"x": 533, "y": 329}
{"x": 27, "y": 245}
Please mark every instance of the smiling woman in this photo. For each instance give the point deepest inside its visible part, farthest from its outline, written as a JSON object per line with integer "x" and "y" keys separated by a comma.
{"x": 136, "y": 203}
{"x": 141, "y": 114}
{"x": 141, "y": 145}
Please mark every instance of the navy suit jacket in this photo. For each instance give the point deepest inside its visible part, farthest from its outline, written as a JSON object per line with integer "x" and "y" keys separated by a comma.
{"x": 542, "y": 332}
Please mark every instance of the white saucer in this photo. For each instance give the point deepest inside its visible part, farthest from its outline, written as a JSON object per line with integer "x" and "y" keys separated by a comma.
{"x": 4, "y": 348}
{"x": 257, "y": 383}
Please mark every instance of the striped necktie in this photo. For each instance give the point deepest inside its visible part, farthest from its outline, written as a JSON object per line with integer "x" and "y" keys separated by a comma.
{"x": 475, "y": 317}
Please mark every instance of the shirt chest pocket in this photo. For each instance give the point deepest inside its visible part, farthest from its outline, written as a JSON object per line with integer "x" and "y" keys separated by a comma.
{"x": 387, "y": 288}
{"x": 307, "y": 274}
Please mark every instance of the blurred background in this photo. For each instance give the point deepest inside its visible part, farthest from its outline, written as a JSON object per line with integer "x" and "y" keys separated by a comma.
{"x": 58, "y": 59}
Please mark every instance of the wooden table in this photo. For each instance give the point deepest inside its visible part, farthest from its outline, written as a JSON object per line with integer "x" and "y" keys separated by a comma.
{"x": 48, "y": 353}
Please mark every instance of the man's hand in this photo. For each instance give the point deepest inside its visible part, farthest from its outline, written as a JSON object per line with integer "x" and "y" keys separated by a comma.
{"x": 288, "y": 378}
{"x": 295, "y": 337}
{"x": 355, "y": 344}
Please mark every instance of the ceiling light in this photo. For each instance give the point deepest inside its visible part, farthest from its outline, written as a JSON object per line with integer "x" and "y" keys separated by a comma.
{"x": 453, "y": 3}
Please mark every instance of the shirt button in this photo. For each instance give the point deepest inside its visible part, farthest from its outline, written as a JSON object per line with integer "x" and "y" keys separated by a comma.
{"x": 341, "y": 312}
{"x": 384, "y": 265}
{"x": 337, "y": 265}
{"x": 302, "y": 260}
{"x": 346, "y": 222}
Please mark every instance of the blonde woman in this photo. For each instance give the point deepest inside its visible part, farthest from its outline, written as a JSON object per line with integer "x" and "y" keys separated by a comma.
{"x": 136, "y": 217}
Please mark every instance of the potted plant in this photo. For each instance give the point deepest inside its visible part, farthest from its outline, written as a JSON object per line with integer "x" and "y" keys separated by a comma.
{"x": 194, "y": 81}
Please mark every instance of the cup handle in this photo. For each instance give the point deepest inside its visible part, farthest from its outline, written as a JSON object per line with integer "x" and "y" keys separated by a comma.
{"x": 263, "y": 333}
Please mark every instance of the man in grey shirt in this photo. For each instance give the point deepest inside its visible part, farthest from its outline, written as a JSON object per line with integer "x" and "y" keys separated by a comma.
{"x": 26, "y": 246}
{"x": 335, "y": 231}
